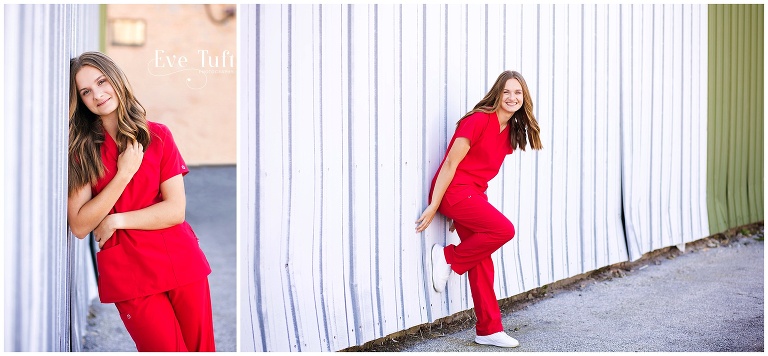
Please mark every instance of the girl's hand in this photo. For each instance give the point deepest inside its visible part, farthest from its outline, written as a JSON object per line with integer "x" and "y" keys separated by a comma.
{"x": 426, "y": 218}
{"x": 129, "y": 161}
{"x": 104, "y": 231}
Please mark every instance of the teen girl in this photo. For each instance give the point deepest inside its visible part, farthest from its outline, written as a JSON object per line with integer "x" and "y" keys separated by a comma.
{"x": 496, "y": 126}
{"x": 126, "y": 185}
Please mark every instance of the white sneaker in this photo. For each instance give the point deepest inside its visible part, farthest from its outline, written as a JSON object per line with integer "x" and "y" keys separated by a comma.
{"x": 441, "y": 270}
{"x": 500, "y": 339}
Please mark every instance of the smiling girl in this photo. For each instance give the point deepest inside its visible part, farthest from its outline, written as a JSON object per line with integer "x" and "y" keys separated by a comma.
{"x": 126, "y": 185}
{"x": 496, "y": 126}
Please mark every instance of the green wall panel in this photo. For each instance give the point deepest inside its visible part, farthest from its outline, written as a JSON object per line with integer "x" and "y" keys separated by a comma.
{"x": 735, "y": 116}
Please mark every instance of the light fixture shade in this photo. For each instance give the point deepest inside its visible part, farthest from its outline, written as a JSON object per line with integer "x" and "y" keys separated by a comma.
{"x": 128, "y": 32}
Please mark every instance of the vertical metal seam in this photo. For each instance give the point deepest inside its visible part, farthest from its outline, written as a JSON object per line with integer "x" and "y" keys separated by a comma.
{"x": 608, "y": 49}
{"x": 661, "y": 117}
{"x": 622, "y": 117}
{"x": 715, "y": 219}
{"x": 376, "y": 158}
{"x": 536, "y": 156}
{"x": 682, "y": 126}
{"x": 663, "y": 122}
{"x": 288, "y": 270}
{"x": 322, "y": 181}
{"x": 424, "y": 173}
{"x": 257, "y": 212}
{"x": 650, "y": 150}
{"x": 70, "y": 286}
{"x": 444, "y": 123}
{"x": 347, "y": 288}
{"x": 730, "y": 186}
{"x": 639, "y": 226}
{"x": 746, "y": 160}
{"x": 594, "y": 151}
{"x": 582, "y": 234}
{"x": 567, "y": 139}
{"x": 552, "y": 150}
{"x": 752, "y": 118}
{"x": 60, "y": 133}
{"x": 18, "y": 287}
{"x": 690, "y": 112}
{"x": 399, "y": 88}
{"x": 626, "y": 117}
{"x": 350, "y": 172}
{"x": 735, "y": 165}
{"x": 756, "y": 113}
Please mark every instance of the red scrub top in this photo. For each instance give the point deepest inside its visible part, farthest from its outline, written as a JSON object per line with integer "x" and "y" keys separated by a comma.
{"x": 136, "y": 263}
{"x": 487, "y": 149}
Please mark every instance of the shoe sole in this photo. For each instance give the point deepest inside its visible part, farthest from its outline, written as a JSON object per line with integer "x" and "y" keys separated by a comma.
{"x": 506, "y": 347}
{"x": 432, "y": 260}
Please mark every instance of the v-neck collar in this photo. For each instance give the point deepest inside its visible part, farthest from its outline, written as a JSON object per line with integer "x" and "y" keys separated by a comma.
{"x": 495, "y": 118}
{"x": 108, "y": 136}
{"x": 109, "y": 142}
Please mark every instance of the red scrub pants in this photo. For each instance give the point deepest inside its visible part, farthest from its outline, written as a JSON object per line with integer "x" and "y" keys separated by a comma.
{"x": 482, "y": 230}
{"x": 180, "y": 319}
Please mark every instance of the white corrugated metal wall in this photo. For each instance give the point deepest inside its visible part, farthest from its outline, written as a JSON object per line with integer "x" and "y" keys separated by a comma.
{"x": 48, "y": 280}
{"x": 664, "y": 125}
{"x": 346, "y": 111}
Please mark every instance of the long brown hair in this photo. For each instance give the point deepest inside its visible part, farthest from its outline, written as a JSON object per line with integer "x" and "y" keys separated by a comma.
{"x": 86, "y": 133}
{"x": 522, "y": 121}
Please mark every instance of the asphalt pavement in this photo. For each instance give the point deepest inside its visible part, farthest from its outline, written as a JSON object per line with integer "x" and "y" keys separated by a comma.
{"x": 211, "y": 211}
{"x": 706, "y": 299}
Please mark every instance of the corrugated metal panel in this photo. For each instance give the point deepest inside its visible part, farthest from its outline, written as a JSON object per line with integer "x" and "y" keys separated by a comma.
{"x": 663, "y": 76}
{"x": 47, "y": 275}
{"x": 345, "y": 117}
{"x": 735, "y": 150}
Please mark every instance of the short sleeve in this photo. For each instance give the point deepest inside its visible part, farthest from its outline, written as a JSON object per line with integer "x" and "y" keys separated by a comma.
{"x": 472, "y": 127}
{"x": 171, "y": 163}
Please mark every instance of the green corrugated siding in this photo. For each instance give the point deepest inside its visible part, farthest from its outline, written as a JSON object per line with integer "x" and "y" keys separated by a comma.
{"x": 735, "y": 122}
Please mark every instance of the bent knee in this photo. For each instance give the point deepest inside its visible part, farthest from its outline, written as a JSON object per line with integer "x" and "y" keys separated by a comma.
{"x": 506, "y": 230}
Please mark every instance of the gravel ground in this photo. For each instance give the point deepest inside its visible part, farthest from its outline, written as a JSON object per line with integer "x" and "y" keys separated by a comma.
{"x": 211, "y": 211}
{"x": 709, "y": 298}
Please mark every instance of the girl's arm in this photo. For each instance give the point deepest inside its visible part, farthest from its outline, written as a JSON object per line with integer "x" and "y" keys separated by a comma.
{"x": 85, "y": 212}
{"x": 169, "y": 212}
{"x": 444, "y": 177}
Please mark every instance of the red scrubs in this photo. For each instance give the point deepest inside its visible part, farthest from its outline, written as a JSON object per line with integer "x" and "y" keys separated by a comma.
{"x": 481, "y": 227}
{"x": 138, "y": 269}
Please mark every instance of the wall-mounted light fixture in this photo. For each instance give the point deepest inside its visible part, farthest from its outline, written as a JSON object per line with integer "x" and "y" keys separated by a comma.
{"x": 128, "y": 32}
